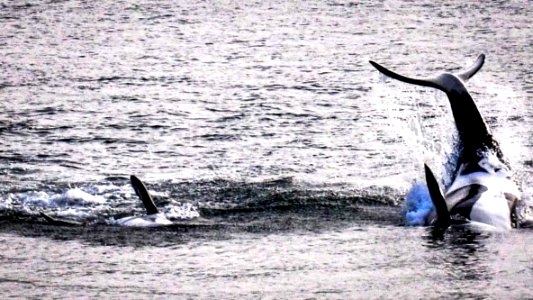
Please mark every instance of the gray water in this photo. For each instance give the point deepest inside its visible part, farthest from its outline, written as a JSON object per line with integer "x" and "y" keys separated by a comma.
{"x": 358, "y": 262}
{"x": 280, "y": 153}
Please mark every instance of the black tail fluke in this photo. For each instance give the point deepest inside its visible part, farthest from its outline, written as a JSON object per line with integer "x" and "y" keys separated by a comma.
{"x": 471, "y": 126}
{"x": 429, "y": 82}
{"x": 473, "y": 69}
{"x": 443, "y": 215}
{"x": 436, "y": 82}
{"x": 142, "y": 193}
{"x": 445, "y": 82}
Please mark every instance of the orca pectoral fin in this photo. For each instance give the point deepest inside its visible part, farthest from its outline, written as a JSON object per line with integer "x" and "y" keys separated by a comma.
{"x": 142, "y": 193}
{"x": 443, "y": 215}
{"x": 47, "y": 217}
{"x": 54, "y": 221}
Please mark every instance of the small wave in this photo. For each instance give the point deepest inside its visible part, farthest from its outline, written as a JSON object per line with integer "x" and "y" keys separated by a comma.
{"x": 72, "y": 197}
{"x": 220, "y": 201}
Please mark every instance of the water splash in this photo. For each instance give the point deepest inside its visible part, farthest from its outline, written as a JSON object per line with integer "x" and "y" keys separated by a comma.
{"x": 6, "y": 204}
{"x": 71, "y": 197}
{"x": 417, "y": 205}
{"x": 183, "y": 211}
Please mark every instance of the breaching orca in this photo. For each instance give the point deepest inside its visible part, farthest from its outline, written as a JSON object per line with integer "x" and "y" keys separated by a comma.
{"x": 482, "y": 190}
{"x": 152, "y": 218}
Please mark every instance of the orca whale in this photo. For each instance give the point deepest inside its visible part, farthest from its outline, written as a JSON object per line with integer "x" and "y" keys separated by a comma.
{"x": 482, "y": 190}
{"x": 152, "y": 218}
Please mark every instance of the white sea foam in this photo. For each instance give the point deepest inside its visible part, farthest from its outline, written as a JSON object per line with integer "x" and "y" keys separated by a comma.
{"x": 38, "y": 198}
{"x": 183, "y": 211}
{"x": 77, "y": 196}
{"x": 6, "y": 203}
{"x": 71, "y": 197}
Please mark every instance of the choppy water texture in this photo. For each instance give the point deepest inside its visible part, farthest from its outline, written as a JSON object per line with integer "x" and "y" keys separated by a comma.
{"x": 280, "y": 153}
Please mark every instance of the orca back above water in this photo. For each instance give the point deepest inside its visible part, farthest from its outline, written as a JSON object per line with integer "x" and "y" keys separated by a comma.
{"x": 482, "y": 189}
{"x": 152, "y": 218}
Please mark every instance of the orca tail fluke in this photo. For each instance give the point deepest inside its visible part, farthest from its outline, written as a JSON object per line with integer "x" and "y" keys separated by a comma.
{"x": 443, "y": 215}
{"x": 429, "y": 82}
{"x": 445, "y": 82}
{"x": 142, "y": 193}
{"x": 470, "y": 124}
{"x": 473, "y": 69}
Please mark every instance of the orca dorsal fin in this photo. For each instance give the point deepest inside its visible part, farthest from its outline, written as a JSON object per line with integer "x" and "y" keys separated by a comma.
{"x": 443, "y": 215}
{"x": 142, "y": 193}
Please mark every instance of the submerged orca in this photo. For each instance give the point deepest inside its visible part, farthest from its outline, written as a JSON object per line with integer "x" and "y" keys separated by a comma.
{"x": 483, "y": 190}
{"x": 59, "y": 222}
{"x": 152, "y": 218}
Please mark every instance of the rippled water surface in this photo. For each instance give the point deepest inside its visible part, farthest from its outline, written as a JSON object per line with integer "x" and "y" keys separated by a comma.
{"x": 358, "y": 262}
{"x": 282, "y": 156}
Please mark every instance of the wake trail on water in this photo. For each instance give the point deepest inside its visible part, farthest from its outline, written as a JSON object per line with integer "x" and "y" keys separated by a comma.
{"x": 220, "y": 200}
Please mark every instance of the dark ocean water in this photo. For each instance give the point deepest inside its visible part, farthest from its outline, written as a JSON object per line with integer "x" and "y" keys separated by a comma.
{"x": 282, "y": 156}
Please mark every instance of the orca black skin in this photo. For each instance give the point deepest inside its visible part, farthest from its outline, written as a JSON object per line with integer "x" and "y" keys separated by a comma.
{"x": 472, "y": 128}
{"x": 482, "y": 190}
{"x": 441, "y": 209}
{"x": 143, "y": 194}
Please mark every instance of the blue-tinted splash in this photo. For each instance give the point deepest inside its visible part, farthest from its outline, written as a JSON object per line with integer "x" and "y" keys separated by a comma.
{"x": 417, "y": 205}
